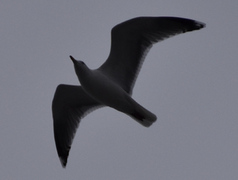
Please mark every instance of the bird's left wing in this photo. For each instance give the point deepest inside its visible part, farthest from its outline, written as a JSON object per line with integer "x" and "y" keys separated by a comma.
{"x": 69, "y": 106}
{"x": 132, "y": 39}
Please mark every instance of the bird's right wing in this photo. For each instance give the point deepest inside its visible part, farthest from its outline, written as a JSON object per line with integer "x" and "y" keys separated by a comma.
{"x": 69, "y": 106}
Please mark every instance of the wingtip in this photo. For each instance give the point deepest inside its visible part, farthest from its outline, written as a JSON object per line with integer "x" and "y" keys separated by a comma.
{"x": 63, "y": 162}
{"x": 200, "y": 25}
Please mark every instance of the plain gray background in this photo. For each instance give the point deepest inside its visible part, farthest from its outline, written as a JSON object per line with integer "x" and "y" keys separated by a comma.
{"x": 189, "y": 81}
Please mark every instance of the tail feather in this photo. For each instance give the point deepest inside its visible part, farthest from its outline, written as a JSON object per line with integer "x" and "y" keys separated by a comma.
{"x": 143, "y": 116}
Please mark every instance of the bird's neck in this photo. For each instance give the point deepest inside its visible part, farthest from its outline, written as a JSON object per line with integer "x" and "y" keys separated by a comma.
{"x": 83, "y": 74}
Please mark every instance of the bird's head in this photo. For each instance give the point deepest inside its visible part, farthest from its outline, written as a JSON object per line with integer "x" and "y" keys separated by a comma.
{"x": 79, "y": 66}
{"x": 77, "y": 62}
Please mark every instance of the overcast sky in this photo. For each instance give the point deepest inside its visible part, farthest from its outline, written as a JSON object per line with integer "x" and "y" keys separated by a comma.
{"x": 189, "y": 81}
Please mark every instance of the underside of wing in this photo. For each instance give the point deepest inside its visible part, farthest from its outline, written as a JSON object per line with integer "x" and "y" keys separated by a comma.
{"x": 132, "y": 39}
{"x": 69, "y": 106}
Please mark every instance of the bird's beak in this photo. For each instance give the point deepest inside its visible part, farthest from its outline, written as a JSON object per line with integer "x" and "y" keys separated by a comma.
{"x": 74, "y": 60}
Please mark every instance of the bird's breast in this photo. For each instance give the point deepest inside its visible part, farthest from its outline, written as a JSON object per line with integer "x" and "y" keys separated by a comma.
{"x": 104, "y": 90}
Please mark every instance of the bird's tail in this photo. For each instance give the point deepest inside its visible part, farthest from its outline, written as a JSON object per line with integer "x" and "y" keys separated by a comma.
{"x": 142, "y": 115}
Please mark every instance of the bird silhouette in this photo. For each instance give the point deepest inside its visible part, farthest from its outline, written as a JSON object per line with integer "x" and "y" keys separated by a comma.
{"x": 112, "y": 83}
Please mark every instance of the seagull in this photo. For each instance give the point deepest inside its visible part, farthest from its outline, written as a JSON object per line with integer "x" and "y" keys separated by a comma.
{"x": 112, "y": 83}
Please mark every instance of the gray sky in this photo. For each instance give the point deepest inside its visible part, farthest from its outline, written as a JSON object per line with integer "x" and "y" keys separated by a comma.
{"x": 189, "y": 81}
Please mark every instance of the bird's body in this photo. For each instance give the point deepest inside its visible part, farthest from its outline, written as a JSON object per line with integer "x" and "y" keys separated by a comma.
{"x": 105, "y": 91}
{"x": 112, "y": 83}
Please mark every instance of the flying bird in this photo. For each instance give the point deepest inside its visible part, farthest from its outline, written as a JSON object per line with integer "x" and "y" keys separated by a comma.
{"x": 112, "y": 83}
